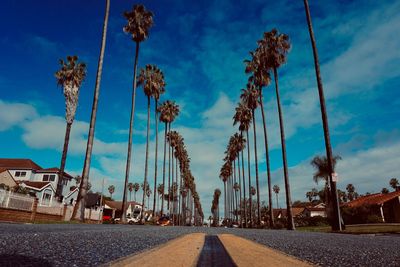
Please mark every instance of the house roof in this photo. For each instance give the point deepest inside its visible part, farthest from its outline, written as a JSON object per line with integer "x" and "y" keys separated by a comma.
{"x": 24, "y": 164}
{"x": 373, "y": 199}
{"x": 53, "y": 170}
{"x": 35, "y": 185}
{"x": 295, "y": 211}
{"x": 118, "y": 204}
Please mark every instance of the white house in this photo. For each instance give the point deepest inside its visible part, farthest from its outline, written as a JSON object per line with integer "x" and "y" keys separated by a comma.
{"x": 318, "y": 210}
{"x": 45, "y": 192}
{"x": 27, "y": 170}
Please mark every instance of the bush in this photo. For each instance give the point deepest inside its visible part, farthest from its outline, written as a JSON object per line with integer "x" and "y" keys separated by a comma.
{"x": 311, "y": 221}
{"x": 361, "y": 214}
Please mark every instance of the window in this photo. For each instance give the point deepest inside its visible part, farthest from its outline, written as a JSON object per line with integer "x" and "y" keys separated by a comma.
{"x": 65, "y": 182}
{"x": 49, "y": 177}
{"x": 20, "y": 174}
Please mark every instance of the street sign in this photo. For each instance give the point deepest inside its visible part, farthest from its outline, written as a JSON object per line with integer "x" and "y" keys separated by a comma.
{"x": 335, "y": 177}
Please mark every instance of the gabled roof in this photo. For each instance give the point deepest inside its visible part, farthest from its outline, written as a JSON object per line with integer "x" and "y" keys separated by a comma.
{"x": 118, "y": 204}
{"x": 54, "y": 170}
{"x": 373, "y": 199}
{"x": 23, "y": 164}
{"x": 37, "y": 186}
{"x": 295, "y": 211}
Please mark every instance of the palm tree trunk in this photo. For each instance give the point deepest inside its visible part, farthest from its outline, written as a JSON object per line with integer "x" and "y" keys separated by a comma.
{"x": 147, "y": 156}
{"x": 290, "y": 223}
{"x": 63, "y": 160}
{"x": 172, "y": 187}
{"x": 271, "y": 217}
{"x": 336, "y": 225}
{"x": 89, "y": 146}
{"x": 130, "y": 196}
{"x": 169, "y": 170}
{"x": 225, "y": 208}
{"x": 234, "y": 192}
{"x": 256, "y": 165}
{"x": 165, "y": 153}
{"x": 248, "y": 166}
{"x": 277, "y": 202}
{"x": 244, "y": 188}
{"x": 179, "y": 200}
{"x": 156, "y": 158}
{"x": 240, "y": 191}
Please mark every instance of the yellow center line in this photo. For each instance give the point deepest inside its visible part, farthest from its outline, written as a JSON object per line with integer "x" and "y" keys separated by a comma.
{"x": 183, "y": 251}
{"x": 247, "y": 253}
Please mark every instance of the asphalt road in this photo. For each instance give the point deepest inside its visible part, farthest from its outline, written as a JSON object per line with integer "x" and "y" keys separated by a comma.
{"x": 92, "y": 245}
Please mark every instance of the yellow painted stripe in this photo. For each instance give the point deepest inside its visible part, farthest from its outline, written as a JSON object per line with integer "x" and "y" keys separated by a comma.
{"x": 183, "y": 251}
{"x": 247, "y": 253}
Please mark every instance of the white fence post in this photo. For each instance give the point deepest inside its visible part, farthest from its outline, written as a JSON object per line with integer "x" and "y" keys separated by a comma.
{"x": 8, "y": 199}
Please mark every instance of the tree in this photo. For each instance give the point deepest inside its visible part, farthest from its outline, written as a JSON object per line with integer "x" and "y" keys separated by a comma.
{"x": 70, "y": 76}
{"x": 152, "y": 80}
{"x": 160, "y": 191}
{"x": 394, "y": 183}
{"x": 243, "y": 116}
{"x": 336, "y": 225}
{"x": 261, "y": 78}
{"x": 309, "y": 196}
{"x": 250, "y": 97}
{"x": 136, "y": 187}
{"x": 276, "y": 191}
{"x": 273, "y": 50}
{"x": 130, "y": 188}
{"x": 111, "y": 190}
{"x": 168, "y": 111}
{"x": 350, "y": 191}
{"x": 323, "y": 171}
{"x": 89, "y": 146}
{"x": 385, "y": 190}
{"x": 139, "y": 23}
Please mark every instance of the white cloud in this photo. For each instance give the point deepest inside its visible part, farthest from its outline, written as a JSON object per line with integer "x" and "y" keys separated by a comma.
{"x": 15, "y": 114}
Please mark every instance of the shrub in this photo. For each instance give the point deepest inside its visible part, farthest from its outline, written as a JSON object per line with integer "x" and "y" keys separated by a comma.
{"x": 361, "y": 214}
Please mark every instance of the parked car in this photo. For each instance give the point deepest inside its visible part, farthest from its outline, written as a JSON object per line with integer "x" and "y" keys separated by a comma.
{"x": 131, "y": 218}
{"x": 164, "y": 221}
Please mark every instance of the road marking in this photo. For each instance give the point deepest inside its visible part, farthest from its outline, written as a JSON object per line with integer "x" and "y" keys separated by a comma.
{"x": 247, "y": 253}
{"x": 183, "y": 251}
{"x": 214, "y": 254}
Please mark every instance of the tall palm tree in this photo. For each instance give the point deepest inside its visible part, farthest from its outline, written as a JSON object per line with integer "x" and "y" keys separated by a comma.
{"x": 394, "y": 183}
{"x": 261, "y": 78}
{"x": 89, "y": 146}
{"x": 274, "y": 48}
{"x": 152, "y": 80}
{"x": 243, "y": 117}
{"x": 250, "y": 97}
{"x": 70, "y": 76}
{"x": 139, "y": 23}
{"x": 276, "y": 191}
{"x": 160, "y": 190}
{"x": 350, "y": 191}
{"x": 111, "y": 190}
{"x": 136, "y": 187}
{"x": 168, "y": 111}
{"x": 336, "y": 225}
{"x": 130, "y": 188}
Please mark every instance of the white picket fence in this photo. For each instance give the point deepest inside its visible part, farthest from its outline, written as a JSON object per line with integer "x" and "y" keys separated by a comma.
{"x": 12, "y": 200}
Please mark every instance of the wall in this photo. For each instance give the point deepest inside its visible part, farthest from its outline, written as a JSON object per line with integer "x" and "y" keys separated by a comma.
{"x": 6, "y": 178}
{"x": 11, "y": 215}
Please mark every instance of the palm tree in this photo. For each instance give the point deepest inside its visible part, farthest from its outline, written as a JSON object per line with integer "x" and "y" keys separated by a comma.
{"x": 309, "y": 195}
{"x": 262, "y": 78}
{"x": 148, "y": 194}
{"x": 160, "y": 190}
{"x": 323, "y": 172}
{"x": 136, "y": 187}
{"x": 139, "y": 22}
{"x": 168, "y": 111}
{"x": 243, "y": 117}
{"x": 276, "y": 191}
{"x": 350, "y": 191}
{"x": 273, "y": 49}
{"x": 111, "y": 190}
{"x": 89, "y": 146}
{"x": 394, "y": 183}
{"x": 321, "y": 165}
{"x": 250, "y": 97}
{"x": 130, "y": 188}
{"x": 385, "y": 190}
{"x": 70, "y": 77}
{"x": 152, "y": 80}
{"x": 336, "y": 225}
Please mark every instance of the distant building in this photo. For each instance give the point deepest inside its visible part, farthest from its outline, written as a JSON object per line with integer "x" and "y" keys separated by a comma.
{"x": 25, "y": 172}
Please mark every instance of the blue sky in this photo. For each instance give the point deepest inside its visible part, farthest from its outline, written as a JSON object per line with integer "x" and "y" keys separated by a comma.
{"x": 201, "y": 47}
